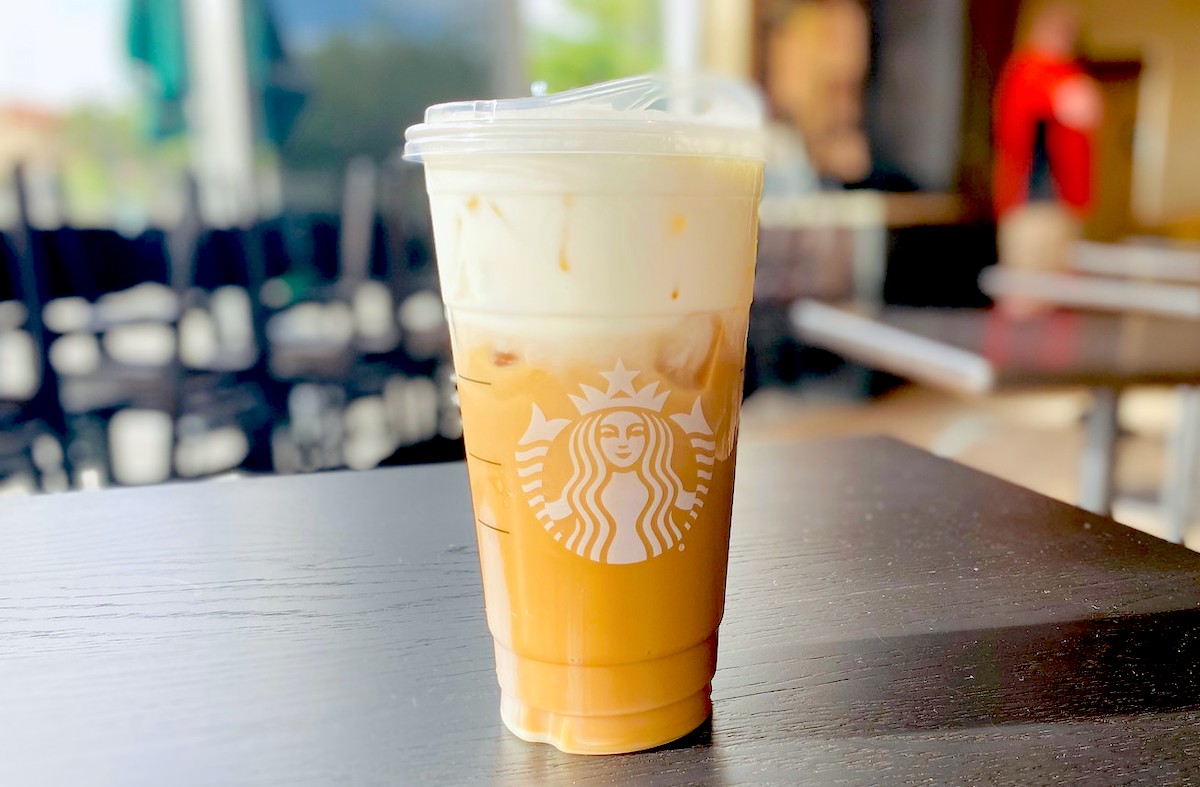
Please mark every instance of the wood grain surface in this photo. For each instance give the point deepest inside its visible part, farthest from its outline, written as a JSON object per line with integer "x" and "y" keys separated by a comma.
{"x": 892, "y": 618}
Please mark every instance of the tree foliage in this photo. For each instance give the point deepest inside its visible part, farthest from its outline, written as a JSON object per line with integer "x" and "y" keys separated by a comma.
{"x": 617, "y": 38}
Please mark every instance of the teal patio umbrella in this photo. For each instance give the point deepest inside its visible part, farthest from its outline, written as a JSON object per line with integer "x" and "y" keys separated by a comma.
{"x": 157, "y": 39}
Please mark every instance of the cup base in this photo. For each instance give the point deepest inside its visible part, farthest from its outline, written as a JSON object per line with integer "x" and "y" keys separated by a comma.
{"x": 619, "y": 734}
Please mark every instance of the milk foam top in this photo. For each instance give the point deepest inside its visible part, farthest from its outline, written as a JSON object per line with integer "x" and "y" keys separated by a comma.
{"x": 632, "y": 198}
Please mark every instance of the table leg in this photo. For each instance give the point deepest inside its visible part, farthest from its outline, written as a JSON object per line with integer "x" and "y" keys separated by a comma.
{"x": 1099, "y": 453}
{"x": 1183, "y": 462}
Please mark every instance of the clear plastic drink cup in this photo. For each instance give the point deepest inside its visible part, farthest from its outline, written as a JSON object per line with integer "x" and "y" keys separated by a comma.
{"x": 596, "y": 255}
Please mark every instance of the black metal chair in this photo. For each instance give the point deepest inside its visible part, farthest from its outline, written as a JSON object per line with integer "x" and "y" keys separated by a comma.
{"x": 33, "y": 432}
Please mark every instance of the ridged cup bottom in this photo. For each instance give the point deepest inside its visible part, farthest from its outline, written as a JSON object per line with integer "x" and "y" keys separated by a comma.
{"x": 607, "y": 709}
{"x": 606, "y": 734}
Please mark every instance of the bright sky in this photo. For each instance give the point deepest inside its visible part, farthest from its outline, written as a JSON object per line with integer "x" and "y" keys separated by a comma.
{"x": 554, "y": 15}
{"x": 62, "y": 53}
{"x": 59, "y": 54}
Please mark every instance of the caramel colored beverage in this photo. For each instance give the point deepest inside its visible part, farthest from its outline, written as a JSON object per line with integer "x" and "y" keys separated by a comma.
{"x": 598, "y": 288}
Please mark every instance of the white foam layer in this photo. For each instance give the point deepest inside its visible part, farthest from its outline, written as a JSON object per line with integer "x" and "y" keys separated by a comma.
{"x": 594, "y": 234}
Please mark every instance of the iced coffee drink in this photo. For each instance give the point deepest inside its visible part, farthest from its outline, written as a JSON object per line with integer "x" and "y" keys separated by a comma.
{"x": 596, "y": 255}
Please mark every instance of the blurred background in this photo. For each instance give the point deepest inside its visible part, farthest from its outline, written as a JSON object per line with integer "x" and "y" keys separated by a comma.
{"x": 214, "y": 263}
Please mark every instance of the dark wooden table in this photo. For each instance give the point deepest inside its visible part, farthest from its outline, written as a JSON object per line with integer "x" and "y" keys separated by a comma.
{"x": 892, "y": 618}
{"x": 977, "y": 351}
{"x": 1138, "y": 261}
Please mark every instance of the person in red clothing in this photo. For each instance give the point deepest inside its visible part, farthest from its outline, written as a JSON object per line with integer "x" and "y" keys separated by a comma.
{"x": 1046, "y": 110}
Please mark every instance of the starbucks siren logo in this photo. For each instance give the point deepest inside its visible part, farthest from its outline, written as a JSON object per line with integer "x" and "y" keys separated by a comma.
{"x": 625, "y": 501}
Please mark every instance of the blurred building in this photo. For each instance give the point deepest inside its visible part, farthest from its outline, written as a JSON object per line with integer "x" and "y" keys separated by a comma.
{"x": 29, "y": 133}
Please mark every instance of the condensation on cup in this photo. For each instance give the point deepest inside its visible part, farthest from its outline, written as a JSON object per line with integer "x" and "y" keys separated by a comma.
{"x": 596, "y": 255}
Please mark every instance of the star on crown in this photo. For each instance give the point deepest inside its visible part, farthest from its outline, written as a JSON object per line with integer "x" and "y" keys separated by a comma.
{"x": 621, "y": 393}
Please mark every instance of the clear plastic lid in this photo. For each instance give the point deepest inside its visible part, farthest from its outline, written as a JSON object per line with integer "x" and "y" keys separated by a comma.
{"x": 654, "y": 114}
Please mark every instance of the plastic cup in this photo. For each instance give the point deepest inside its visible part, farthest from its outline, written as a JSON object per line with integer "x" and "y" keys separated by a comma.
{"x": 596, "y": 256}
